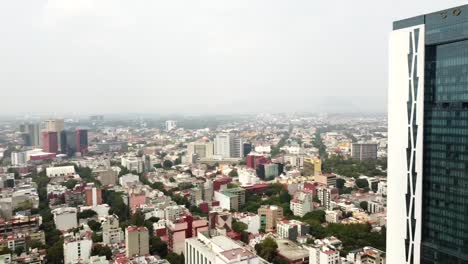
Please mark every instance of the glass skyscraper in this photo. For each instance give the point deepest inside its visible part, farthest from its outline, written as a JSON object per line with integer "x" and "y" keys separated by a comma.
{"x": 428, "y": 139}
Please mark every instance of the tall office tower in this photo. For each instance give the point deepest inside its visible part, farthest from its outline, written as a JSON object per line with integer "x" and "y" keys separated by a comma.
{"x": 34, "y": 134}
{"x": 55, "y": 125}
{"x": 228, "y": 146}
{"x": 82, "y": 141}
{"x": 247, "y": 148}
{"x": 50, "y": 142}
{"x": 68, "y": 142}
{"x": 428, "y": 139}
{"x": 171, "y": 125}
{"x": 222, "y": 145}
{"x": 364, "y": 151}
{"x": 237, "y": 147}
{"x": 136, "y": 241}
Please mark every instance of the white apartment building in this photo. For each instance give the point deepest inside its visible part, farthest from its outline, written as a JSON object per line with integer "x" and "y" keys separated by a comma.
{"x": 129, "y": 180}
{"x": 77, "y": 249}
{"x": 228, "y": 146}
{"x": 326, "y": 195}
{"x": 302, "y": 203}
{"x": 291, "y": 229}
{"x": 247, "y": 177}
{"x": 331, "y": 217}
{"x": 111, "y": 232}
{"x": 132, "y": 163}
{"x": 251, "y": 220}
{"x": 323, "y": 252}
{"x": 217, "y": 250}
{"x": 19, "y": 158}
{"x": 65, "y": 218}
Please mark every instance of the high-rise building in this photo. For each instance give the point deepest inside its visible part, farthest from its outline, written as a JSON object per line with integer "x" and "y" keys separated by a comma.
{"x": 202, "y": 149}
{"x": 247, "y": 148}
{"x": 364, "y": 151}
{"x": 55, "y": 125}
{"x": 228, "y": 146}
{"x": 82, "y": 141}
{"x": 222, "y": 145}
{"x": 19, "y": 158}
{"x": 312, "y": 166}
{"x": 93, "y": 196}
{"x": 50, "y": 141}
{"x": 74, "y": 141}
{"x": 326, "y": 195}
{"x": 68, "y": 142}
{"x": 34, "y": 134}
{"x": 269, "y": 215}
{"x": 237, "y": 147}
{"x": 428, "y": 139}
{"x": 77, "y": 249}
{"x": 171, "y": 125}
{"x": 30, "y": 133}
{"x": 111, "y": 232}
{"x": 136, "y": 241}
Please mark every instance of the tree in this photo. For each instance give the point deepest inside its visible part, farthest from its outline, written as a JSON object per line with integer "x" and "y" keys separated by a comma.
{"x": 70, "y": 184}
{"x": 157, "y": 166}
{"x": 317, "y": 215}
{"x": 32, "y": 244}
{"x": 158, "y": 247}
{"x": 167, "y": 164}
{"x": 363, "y": 205}
{"x": 267, "y": 249}
{"x": 138, "y": 219}
{"x": 100, "y": 250}
{"x": 96, "y": 238}
{"x": 285, "y": 197}
{"x": 87, "y": 214}
{"x": 174, "y": 258}
{"x": 185, "y": 185}
{"x": 19, "y": 250}
{"x": 340, "y": 183}
{"x": 362, "y": 183}
{"x": 115, "y": 201}
{"x": 239, "y": 227}
{"x": 233, "y": 173}
{"x": 158, "y": 186}
{"x": 55, "y": 253}
{"x": 94, "y": 225}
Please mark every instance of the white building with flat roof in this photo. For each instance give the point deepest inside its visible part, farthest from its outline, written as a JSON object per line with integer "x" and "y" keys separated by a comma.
{"x": 65, "y": 218}
{"x": 217, "y": 249}
{"x": 77, "y": 249}
{"x": 52, "y": 172}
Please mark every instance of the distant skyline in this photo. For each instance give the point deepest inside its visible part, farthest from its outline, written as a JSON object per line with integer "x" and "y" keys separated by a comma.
{"x": 197, "y": 57}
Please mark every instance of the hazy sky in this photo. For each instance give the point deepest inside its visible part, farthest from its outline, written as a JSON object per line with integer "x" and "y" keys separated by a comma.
{"x": 197, "y": 56}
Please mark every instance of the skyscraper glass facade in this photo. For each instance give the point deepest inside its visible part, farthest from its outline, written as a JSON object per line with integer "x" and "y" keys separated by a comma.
{"x": 445, "y": 137}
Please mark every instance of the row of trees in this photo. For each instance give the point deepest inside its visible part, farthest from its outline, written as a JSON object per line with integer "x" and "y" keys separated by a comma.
{"x": 354, "y": 168}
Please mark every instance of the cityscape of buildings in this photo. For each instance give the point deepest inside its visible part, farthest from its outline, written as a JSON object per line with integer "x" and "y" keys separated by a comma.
{"x": 301, "y": 188}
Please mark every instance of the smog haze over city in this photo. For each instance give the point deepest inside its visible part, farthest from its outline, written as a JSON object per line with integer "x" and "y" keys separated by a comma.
{"x": 197, "y": 57}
